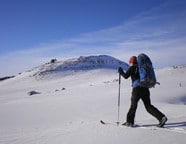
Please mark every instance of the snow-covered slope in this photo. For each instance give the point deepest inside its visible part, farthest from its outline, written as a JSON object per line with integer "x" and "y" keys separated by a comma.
{"x": 82, "y": 63}
{"x": 69, "y": 107}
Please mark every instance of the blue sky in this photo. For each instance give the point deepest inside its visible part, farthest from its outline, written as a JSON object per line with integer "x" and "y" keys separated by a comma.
{"x": 33, "y": 32}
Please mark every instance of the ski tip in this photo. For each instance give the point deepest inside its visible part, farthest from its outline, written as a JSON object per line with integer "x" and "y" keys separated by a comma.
{"x": 102, "y": 122}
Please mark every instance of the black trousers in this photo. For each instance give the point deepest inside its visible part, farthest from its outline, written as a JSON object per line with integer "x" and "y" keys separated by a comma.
{"x": 143, "y": 94}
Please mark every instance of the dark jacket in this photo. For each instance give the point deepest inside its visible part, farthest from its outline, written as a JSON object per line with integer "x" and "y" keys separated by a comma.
{"x": 132, "y": 72}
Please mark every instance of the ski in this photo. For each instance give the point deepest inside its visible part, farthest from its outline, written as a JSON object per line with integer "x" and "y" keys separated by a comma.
{"x": 115, "y": 124}
{"x": 102, "y": 122}
{"x": 109, "y": 123}
{"x": 147, "y": 127}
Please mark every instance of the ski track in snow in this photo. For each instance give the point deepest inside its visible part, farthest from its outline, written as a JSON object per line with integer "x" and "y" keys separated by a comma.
{"x": 166, "y": 128}
{"x": 170, "y": 127}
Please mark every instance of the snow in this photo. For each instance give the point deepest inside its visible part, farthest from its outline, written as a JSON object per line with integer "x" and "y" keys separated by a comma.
{"x": 67, "y": 67}
{"x": 69, "y": 108}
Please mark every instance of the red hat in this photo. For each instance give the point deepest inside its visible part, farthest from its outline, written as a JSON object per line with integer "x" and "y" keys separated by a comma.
{"x": 133, "y": 60}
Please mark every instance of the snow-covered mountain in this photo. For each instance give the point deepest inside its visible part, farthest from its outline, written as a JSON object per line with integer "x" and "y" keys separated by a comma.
{"x": 79, "y": 64}
{"x": 68, "y": 109}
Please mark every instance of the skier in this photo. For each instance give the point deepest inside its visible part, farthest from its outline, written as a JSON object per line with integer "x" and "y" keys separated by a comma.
{"x": 139, "y": 93}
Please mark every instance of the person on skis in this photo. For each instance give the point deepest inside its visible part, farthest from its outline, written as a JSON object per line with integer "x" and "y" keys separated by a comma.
{"x": 138, "y": 93}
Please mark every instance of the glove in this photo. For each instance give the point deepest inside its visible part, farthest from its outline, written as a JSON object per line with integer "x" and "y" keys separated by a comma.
{"x": 120, "y": 70}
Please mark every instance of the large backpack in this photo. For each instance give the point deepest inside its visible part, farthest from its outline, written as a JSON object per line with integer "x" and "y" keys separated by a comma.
{"x": 146, "y": 71}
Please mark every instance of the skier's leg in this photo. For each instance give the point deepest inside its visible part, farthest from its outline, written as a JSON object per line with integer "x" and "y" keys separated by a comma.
{"x": 149, "y": 107}
{"x": 134, "y": 103}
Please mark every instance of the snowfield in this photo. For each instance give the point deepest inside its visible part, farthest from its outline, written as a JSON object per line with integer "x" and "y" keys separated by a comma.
{"x": 70, "y": 105}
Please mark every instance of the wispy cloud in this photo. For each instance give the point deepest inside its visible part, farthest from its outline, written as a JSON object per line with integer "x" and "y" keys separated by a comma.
{"x": 159, "y": 32}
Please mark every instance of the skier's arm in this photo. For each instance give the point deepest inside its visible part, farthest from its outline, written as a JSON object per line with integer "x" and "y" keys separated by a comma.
{"x": 125, "y": 75}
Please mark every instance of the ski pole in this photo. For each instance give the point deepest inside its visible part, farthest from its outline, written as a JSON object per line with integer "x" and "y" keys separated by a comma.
{"x": 119, "y": 99}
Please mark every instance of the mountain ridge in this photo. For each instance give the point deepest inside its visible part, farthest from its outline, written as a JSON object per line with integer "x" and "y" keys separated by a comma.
{"x": 83, "y": 63}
